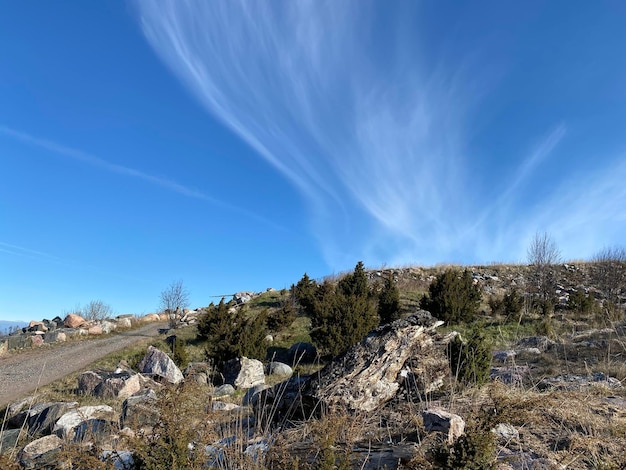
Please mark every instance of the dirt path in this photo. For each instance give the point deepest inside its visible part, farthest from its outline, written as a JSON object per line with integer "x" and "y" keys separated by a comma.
{"x": 22, "y": 373}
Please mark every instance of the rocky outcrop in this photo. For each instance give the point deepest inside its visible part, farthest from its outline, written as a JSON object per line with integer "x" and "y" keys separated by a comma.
{"x": 368, "y": 375}
{"x": 159, "y": 364}
{"x": 243, "y": 372}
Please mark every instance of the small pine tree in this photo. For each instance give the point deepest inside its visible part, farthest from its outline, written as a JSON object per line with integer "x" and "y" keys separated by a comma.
{"x": 389, "y": 301}
{"x": 229, "y": 333}
{"x": 303, "y": 294}
{"x": 453, "y": 297}
{"x": 282, "y": 317}
{"x": 179, "y": 353}
{"x": 470, "y": 359}
{"x": 580, "y": 302}
{"x": 342, "y": 314}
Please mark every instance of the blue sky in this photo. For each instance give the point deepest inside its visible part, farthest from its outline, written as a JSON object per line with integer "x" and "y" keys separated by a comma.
{"x": 236, "y": 145}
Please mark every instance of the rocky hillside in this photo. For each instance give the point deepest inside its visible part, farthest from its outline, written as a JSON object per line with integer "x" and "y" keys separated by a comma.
{"x": 538, "y": 390}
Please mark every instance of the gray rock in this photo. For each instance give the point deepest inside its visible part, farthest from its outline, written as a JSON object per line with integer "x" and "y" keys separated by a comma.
{"x": 86, "y": 422}
{"x": 543, "y": 343}
{"x": 279, "y": 368}
{"x": 225, "y": 390}
{"x": 41, "y": 453}
{"x": 139, "y": 411}
{"x": 123, "y": 383}
{"x": 504, "y": 355}
{"x": 257, "y": 450}
{"x": 42, "y": 418}
{"x": 121, "y": 459}
{"x": 252, "y": 395}
{"x": 8, "y": 439}
{"x": 243, "y": 297}
{"x": 156, "y": 362}
{"x": 243, "y": 372}
{"x": 438, "y": 419}
{"x": 223, "y": 406}
{"x": 509, "y": 375}
{"x": 506, "y": 431}
{"x": 577, "y": 382}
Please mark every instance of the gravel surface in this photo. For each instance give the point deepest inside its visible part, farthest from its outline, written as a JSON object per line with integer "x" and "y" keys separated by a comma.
{"x": 22, "y": 373}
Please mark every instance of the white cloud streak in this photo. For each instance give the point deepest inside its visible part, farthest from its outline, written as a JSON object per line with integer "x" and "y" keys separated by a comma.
{"x": 300, "y": 83}
{"x": 27, "y": 252}
{"x": 102, "y": 164}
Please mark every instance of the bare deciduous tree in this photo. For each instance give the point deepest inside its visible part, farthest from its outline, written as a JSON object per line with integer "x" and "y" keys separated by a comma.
{"x": 174, "y": 300}
{"x": 96, "y": 310}
{"x": 611, "y": 269}
{"x": 542, "y": 254}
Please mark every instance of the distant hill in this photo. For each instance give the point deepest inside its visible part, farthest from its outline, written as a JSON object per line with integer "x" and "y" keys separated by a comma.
{"x": 7, "y": 326}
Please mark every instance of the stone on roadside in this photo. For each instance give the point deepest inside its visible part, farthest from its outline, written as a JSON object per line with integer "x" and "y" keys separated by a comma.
{"x": 36, "y": 341}
{"x": 74, "y": 321}
{"x": 124, "y": 322}
{"x": 95, "y": 330}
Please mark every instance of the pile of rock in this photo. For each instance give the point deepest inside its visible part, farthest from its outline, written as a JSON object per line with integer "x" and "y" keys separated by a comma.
{"x": 38, "y": 333}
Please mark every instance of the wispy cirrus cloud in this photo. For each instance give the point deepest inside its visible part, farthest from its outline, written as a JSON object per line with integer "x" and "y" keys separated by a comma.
{"x": 371, "y": 134}
{"x": 105, "y": 165}
{"x": 17, "y": 250}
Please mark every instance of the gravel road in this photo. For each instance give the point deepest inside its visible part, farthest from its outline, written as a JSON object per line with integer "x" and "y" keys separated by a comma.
{"x": 22, "y": 373}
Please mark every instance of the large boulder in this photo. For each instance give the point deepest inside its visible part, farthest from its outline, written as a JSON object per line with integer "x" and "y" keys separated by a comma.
{"x": 369, "y": 374}
{"x": 157, "y": 363}
{"x": 86, "y": 422}
{"x": 40, "y": 418}
{"x": 109, "y": 384}
{"x": 108, "y": 327}
{"x": 74, "y": 321}
{"x": 139, "y": 411}
{"x": 124, "y": 322}
{"x": 95, "y": 330}
{"x": 41, "y": 453}
{"x": 243, "y": 372}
